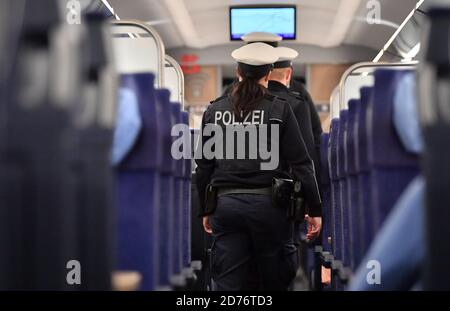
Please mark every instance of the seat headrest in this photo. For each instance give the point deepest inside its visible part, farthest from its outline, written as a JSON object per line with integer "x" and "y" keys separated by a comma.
{"x": 39, "y": 18}
{"x": 128, "y": 125}
{"x": 406, "y": 115}
{"x": 385, "y": 147}
{"x": 438, "y": 48}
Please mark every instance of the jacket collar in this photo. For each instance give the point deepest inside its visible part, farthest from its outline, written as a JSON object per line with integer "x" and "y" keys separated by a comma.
{"x": 277, "y": 86}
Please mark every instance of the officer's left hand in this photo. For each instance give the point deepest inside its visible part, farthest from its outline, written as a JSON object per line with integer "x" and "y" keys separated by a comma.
{"x": 314, "y": 226}
{"x": 206, "y": 225}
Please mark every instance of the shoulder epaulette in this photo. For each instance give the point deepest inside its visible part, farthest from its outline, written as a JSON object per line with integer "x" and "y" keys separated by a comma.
{"x": 218, "y": 99}
{"x": 272, "y": 97}
{"x": 297, "y": 95}
{"x": 269, "y": 96}
{"x": 277, "y": 109}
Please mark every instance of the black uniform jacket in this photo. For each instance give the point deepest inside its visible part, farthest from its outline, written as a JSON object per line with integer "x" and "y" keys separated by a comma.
{"x": 297, "y": 87}
{"x": 246, "y": 172}
{"x": 302, "y": 112}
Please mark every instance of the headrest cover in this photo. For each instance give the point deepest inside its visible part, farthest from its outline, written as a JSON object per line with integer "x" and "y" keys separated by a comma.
{"x": 128, "y": 125}
{"x": 406, "y": 115}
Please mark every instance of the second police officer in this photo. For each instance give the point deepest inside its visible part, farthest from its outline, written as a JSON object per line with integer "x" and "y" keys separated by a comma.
{"x": 279, "y": 82}
{"x": 237, "y": 193}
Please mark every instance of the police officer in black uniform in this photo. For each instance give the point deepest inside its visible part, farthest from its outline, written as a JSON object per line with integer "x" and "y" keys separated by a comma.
{"x": 280, "y": 79}
{"x": 244, "y": 223}
{"x": 305, "y": 111}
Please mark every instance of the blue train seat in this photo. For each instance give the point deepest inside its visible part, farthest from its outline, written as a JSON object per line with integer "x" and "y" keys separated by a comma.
{"x": 186, "y": 201}
{"x": 166, "y": 232}
{"x": 405, "y": 114}
{"x": 341, "y": 174}
{"x": 137, "y": 183}
{"x": 38, "y": 182}
{"x": 434, "y": 99}
{"x": 177, "y": 279}
{"x": 335, "y": 190}
{"x": 95, "y": 196}
{"x": 399, "y": 252}
{"x": 392, "y": 167}
{"x": 352, "y": 184}
{"x": 326, "y": 192}
{"x": 366, "y": 225}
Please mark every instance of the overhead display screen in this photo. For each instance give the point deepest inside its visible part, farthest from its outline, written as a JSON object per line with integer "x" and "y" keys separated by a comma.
{"x": 280, "y": 20}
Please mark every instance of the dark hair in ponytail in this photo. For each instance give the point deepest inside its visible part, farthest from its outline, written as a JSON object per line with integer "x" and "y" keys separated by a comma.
{"x": 247, "y": 93}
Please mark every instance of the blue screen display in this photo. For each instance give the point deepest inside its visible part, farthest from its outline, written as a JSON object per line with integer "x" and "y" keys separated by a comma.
{"x": 280, "y": 21}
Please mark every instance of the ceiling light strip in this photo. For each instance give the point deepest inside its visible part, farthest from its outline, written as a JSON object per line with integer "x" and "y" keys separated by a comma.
{"x": 399, "y": 29}
{"x": 111, "y": 9}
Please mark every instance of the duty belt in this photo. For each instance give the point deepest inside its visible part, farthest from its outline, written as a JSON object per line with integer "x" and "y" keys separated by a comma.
{"x": 262, "y": 191}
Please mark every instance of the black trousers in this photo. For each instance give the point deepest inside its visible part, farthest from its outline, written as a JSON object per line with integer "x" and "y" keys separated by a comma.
{"x": 252, "y": 244}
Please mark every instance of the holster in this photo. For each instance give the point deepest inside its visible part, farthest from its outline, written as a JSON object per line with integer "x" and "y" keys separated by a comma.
{"x": 210, "y": 199}
{"x": 282, "y": 190}
{"x": 287, "y": 194}
{"x": 296, "y": 211}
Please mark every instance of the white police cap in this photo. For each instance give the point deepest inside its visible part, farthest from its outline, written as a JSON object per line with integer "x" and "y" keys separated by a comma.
{"x": 259, "y": 36}
{"x": 286, "y": 55}
{"x": 256, "y": 54}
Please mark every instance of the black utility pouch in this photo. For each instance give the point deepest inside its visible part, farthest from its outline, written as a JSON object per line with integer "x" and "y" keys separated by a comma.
{"x": 282, "y": 190}
{"x": 298, "y": 210}
{"x": 287, "y": 194}
{"x": 298, "y": 203}
{"x": 210, "y": 199}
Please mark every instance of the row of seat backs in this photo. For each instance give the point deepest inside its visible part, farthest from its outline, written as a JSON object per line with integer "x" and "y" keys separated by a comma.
{"x": 167, "y": 201}
{"x": 364, "y": 141}
{"x": 434, "y": 102}
{"x": 91, "y": 243}
{"x": 153, "y": 147}
{"x": 56, "y": 131}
